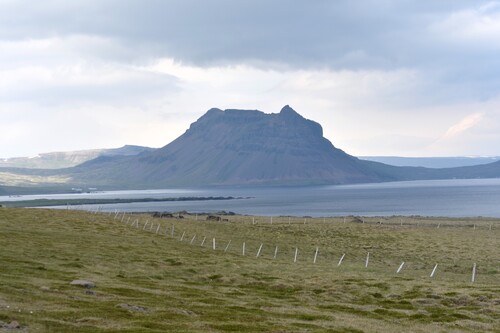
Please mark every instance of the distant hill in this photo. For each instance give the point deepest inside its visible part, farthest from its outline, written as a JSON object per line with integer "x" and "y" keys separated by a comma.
{"x": 432, "y": 162}
{"x": 58, "y": 160}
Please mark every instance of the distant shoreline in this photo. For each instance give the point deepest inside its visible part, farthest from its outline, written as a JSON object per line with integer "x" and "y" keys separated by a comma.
{"x": 78, "y": 202}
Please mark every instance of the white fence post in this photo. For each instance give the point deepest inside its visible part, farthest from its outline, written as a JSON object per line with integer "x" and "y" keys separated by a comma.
{"x": 341, "y": 259}
{"x": 400, "y": 267}
{"x": 315, "y": 255}
{"x": 296, "y": 253}
{"x": 227, "y": 246}
{"x": 260, "y": 248}
{"x": 367, "y": 259}
{"x": 434, "y": 270}
{"x": 473, "y": 273}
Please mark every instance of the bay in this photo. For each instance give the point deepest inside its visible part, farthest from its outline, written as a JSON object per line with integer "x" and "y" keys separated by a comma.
{"x": 447, "y": 198}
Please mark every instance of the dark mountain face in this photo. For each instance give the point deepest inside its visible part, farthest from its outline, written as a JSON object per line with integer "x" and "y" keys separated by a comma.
{"x": 239, "y": 147}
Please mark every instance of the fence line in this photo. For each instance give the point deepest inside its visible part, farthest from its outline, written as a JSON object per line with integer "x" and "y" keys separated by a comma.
{"x": 137, "y": 222}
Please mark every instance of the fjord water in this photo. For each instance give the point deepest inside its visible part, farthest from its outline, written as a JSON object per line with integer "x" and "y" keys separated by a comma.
{"x": 448, "y": 198}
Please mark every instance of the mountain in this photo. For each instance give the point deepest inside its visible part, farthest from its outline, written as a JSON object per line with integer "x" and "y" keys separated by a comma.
{"x": 237, "y": 147}
{"x": 58, "y": 160}
{"x": 432, "y": 162}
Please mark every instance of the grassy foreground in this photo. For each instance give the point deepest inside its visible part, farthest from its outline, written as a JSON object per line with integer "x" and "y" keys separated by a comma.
{"x": 153, "y": 282}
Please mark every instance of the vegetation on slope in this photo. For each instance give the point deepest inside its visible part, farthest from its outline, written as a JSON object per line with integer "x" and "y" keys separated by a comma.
{"x": 153, "y": 282}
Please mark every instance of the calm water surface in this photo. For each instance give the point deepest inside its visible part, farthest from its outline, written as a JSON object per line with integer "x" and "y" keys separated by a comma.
{"x": 451, "y": 198}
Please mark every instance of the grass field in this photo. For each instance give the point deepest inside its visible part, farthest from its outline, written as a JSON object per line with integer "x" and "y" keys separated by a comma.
{"x": 153, "y": 282}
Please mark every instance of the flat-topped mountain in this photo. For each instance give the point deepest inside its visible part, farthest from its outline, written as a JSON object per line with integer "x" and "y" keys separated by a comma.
{"x": 67, "y": 159}
{"x": 238, "y": 147}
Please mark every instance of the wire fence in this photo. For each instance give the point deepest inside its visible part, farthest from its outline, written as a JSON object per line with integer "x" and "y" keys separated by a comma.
{"x": 314, "y": 254}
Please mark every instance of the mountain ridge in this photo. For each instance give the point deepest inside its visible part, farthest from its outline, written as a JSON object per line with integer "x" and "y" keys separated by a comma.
{"x": 432, "y": 162}
{"x": 244, "y": 147}
{"x": 66, "y": 159}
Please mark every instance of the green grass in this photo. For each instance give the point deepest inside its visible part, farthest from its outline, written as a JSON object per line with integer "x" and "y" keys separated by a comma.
{"x": 148, "y": 282}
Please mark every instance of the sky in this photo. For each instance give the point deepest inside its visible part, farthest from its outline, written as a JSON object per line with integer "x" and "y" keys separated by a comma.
{"x": 400, "y": 78}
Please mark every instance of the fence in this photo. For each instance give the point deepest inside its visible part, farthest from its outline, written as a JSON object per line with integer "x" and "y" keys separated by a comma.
{"x": 310, "y": 254}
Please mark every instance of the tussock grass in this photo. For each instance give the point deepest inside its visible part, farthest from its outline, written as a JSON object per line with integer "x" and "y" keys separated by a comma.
{"x": 148, "y": 282}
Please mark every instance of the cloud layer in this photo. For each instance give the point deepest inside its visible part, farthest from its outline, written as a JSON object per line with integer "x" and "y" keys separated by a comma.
{"x": 383, "y": 77}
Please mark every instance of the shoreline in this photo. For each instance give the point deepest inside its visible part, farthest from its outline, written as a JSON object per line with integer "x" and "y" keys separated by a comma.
{"x": 79, "y": 202}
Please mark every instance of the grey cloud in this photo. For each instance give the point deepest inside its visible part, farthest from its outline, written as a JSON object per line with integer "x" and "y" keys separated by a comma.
{"x": 299, "y": 33}
{"x": 132, "y": 87}
{"x": 344, "y": 34}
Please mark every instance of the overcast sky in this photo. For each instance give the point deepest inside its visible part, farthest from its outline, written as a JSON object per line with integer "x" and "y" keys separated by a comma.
{"x": 402, "y": 77}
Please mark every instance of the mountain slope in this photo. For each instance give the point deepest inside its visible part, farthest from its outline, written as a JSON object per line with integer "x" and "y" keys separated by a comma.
{"x": 238, "y": 147}
{"x": 431, "y": 162}
{"x": 490, "y": 170}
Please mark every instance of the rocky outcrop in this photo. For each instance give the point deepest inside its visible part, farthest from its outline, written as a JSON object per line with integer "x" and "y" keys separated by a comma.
{"x": 83, "y": 283}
